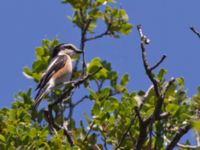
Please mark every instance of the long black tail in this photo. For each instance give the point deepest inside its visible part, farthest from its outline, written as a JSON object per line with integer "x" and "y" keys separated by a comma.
{"x": 40, "y": 95}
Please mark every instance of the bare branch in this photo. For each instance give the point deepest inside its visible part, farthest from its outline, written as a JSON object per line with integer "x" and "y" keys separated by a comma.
{"x": 100, "y": 35}
{"x": 79, "y": 101}
{"x": 143, "y": 37}
{"x": 149, "y": 73}
{"x": 185, "y": 146}
{"x": 156, "y": 115}
{"x": 195, "y": 31}
{"x": 83, "y": 38}
{"x": 68, "y": 92}
{"x": 182, "y": 131}
{"x": 158, "y": 63}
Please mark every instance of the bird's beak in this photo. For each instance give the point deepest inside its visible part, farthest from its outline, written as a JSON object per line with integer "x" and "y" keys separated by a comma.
{"x": 78, "y": 51}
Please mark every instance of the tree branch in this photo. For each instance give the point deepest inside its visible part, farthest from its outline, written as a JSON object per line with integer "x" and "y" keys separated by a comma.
{"x": 158, "y": 63}
{"x": 145, "y": 40}
{"x": 84, "y": 28}
{"x": 125, "y": 133}
{"x": 73, "y": 85}
{"x": 53, "y": 125}
{"x": 138, "y": 115}
{"x": 100, "y": 35}
{"x": 182, "y": 131}
{"x": 91, "y": 126}
{"x": 48, "y": 113}
{"x": 185, "y": 146}
{"x": 79, "y": 101}
{"x": 156, "y": 115}
{"x": 195, "y": 31}
{"x": 83, "y": 39}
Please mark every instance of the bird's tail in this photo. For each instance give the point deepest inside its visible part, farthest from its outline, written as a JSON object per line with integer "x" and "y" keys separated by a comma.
{"x": 40, "y": 95}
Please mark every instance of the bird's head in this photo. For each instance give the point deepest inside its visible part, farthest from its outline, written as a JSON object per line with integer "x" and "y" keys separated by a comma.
{"x": 63, "y": 49}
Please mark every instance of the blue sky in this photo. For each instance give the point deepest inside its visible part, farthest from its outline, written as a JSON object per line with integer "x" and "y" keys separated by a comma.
{"x": 25, "y": 23}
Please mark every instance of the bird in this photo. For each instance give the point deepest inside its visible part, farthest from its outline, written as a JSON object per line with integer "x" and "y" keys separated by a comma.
{"x": 59, "y": 70}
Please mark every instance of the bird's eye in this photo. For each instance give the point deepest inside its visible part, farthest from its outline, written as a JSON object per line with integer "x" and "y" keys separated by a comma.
{"x": 69, "y": 47}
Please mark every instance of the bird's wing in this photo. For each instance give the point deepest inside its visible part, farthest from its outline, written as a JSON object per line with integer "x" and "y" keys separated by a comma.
{"x": 55, "y": 65}
{"x": 43, "y": 86}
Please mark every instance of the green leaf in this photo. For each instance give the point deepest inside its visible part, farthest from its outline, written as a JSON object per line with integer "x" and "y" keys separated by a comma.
{"x": 2, "y": 138}
{"x": 107, "y": 106}
{"x": 114, "y": 102}
{"x": 126, "y": 29}
{"x": 87, "y": 118}
{"x": 93, "y": 95}
{"x": 27, "y": 73}
{"x": 119, "y": 88}
{"x": 161, "y": 74}
{"x": 104, "y": 93}
{"x": 124, "y": 80}
{"x": 198, "y": 91}
{"x": 123, "y": 14}
{"x": 39, "y": 52}
{"x": 94, "y": 65}
{"x": 96, "y": 110}
{"x": 196, "y": 125}
{"x": 172, "y": 108}
{"x": 102, "y": 74}
{"x": 39, "y": 66}
{"x": 180, "y": 81}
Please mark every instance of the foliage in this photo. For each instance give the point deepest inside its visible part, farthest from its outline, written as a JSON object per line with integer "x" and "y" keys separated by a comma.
{"x": 119, "y": 118}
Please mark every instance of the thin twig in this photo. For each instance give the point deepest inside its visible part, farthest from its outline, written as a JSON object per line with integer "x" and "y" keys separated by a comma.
{"x": 195, "y": 31}
{"x": 100, "y": 35}
{"x": 91, "y": 127}
{"x": 158, "y": 63}
{"x": 84, "y": 30}
{"x": 125, "y": 133}
{"x": 138, "y": 115}
{"x": 105, "y": 144}
{"x": 79, "y": 101}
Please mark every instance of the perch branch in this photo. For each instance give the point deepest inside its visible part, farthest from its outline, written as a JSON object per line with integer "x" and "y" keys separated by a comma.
{"x": 48, "y": 113}
{"x": 73, "y": 85}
